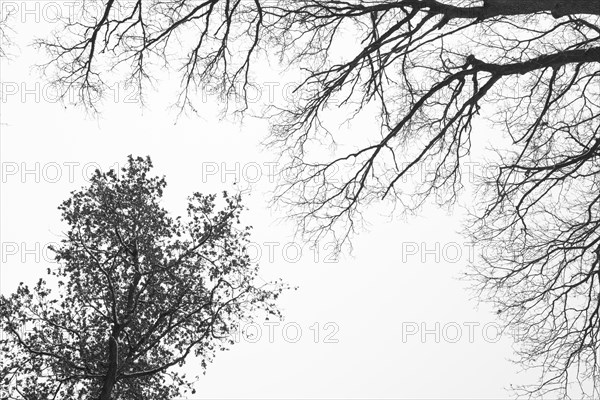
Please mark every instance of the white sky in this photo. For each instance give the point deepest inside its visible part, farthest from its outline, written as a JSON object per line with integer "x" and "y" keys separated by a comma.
{"x": 372, "y": 298}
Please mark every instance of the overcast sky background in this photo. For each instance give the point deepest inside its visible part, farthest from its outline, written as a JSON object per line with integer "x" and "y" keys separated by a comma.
{"x": 371, "y": 308}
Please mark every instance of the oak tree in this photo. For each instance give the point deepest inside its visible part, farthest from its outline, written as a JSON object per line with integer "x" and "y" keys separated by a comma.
{"x": 135, "y": 295}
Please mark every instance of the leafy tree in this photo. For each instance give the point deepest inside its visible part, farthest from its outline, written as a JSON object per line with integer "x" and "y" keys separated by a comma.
{"x": 431, "y": 69}
{"x": 137, "y": 293}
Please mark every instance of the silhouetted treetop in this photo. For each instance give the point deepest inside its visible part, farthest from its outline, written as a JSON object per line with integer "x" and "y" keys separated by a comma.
{"x": 136, "y": 294}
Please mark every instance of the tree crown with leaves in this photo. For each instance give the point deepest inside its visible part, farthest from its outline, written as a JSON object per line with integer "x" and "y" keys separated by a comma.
{"x": 135, "y": 293}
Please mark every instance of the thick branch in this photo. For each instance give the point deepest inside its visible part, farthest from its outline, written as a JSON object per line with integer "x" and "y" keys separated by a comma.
{"x": 498, "y": 8}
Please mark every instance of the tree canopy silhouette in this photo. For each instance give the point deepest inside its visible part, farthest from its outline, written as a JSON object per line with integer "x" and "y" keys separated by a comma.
{"x": 136, "y": 292}
{"x": 430, "y": 68}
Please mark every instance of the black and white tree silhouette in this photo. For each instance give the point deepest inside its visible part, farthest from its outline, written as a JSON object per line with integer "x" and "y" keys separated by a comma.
{"x": 138, "y": 294}
{"x": 430, "y": 68}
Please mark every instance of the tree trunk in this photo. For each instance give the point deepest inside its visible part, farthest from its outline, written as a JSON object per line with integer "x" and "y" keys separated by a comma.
{"x": 111, "y": 374}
